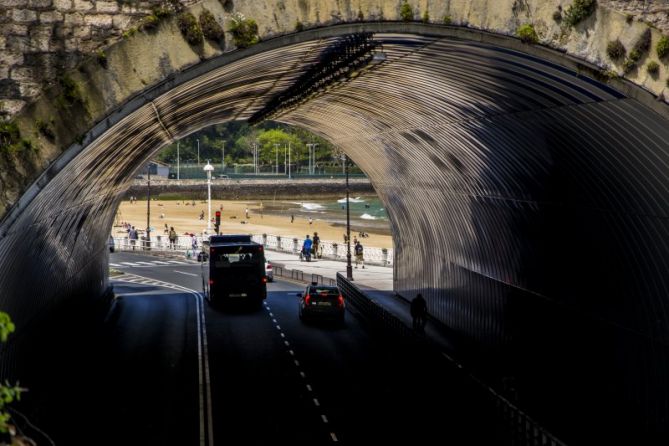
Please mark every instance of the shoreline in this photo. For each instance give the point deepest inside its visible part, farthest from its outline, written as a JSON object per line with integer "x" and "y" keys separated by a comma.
{"x": 262, "y": 219}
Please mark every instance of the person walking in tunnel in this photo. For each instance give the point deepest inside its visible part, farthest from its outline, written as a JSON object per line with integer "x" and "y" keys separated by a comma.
{"x": 419, "y": 312}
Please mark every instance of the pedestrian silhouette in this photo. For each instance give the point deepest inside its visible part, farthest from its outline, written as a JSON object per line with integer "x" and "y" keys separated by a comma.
{"x": 419, "y": 312}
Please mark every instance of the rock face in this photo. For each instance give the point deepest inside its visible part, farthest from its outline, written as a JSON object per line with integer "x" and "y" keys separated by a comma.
{"x": 41, "y": 38}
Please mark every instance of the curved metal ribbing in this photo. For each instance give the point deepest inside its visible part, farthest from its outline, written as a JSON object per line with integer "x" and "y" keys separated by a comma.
{"x": 529, "y": 206}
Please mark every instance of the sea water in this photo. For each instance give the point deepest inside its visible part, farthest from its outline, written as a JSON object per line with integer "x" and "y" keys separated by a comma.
{"x": 366, "y": 212}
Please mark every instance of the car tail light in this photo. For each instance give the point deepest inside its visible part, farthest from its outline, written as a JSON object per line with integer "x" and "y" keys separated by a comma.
{"x": 212, "y": 251}
{"x": 269, "y": 266}
{"x": 340, "y": 301}
{"x": 307, "y": 299}
{"x": 211, "y": 281}
{"x": 264, "y": 279}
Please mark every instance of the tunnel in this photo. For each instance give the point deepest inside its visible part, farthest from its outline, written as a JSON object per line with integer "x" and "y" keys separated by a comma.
{"x": 528, "y": 202}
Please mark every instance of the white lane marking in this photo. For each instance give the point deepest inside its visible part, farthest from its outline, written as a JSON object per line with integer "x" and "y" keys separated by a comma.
{"x": 278, "y": 327}
{"x": 303, "y": 375}
{"x": 177, "y": 262}
{"x": 204, "y": 382}
{"x": 129, "y": 264}
{"x": 188, "y": 274}
{"x": 297, "y": 363}
{"x": 334, "y": 437}
{"x": 309, "y": 388}
{"x": 271, "y": 315}
{"x": 115, "y": 265}
{"x": 316, "y": 402}
{"x": 146, "y": 263}
{"x": 324, "y": 418}
{"x": 283, "y": 335}
{"x": 286, "y": 343}
{"x": 210, "y": 418}
{"x": 274, "y": 320}
{"x": 160, "y": 262}
{"x": 292, "y": 353}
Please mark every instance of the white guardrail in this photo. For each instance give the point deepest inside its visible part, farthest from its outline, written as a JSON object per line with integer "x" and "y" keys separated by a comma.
{"x": 327, "y": 250}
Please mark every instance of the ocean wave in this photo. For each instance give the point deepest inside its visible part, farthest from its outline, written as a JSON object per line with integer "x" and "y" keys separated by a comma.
{"x": 352, "y": 200}
{"x": 311, "y": 206}
{"x": 367, "y": 217}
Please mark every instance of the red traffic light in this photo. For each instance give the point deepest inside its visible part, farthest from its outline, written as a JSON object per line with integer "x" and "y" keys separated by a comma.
{"x": 218, "y": 213}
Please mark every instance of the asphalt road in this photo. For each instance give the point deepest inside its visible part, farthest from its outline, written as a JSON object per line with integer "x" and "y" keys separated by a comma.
{"x": 166, "y": 369}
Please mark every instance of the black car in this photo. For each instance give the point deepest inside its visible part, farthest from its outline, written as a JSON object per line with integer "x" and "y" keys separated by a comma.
{"x": 322, "y": 302}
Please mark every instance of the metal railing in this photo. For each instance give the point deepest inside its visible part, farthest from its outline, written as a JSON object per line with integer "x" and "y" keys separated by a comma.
{"x": 183, "y": 246}
{"x": 327, "y": 249}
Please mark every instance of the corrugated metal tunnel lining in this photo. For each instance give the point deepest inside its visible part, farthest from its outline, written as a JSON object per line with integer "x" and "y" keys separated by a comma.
{"x": 528, "y": 204}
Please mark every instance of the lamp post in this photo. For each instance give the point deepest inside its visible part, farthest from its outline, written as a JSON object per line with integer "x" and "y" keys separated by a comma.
{"x": 223, "y": 157}
{"x": 198, "y": 153}
{"x": 178, "y": 177}
{"x": 147, "y": 242}
{"x": 209, "y": 169}
{"x": 349, "y": 268}
{"x": 276, "y": 152}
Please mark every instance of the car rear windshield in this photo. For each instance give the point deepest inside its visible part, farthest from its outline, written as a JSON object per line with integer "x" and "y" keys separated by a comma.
{"x": 324, "y": 291}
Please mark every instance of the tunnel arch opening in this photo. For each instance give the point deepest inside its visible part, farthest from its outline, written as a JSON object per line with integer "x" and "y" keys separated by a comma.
{"x": 538, "y": 192}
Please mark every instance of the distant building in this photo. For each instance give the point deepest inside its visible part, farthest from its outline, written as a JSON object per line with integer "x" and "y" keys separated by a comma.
{"x": 159, "y": 169}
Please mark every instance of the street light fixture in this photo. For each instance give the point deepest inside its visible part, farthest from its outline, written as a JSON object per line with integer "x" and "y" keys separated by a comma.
{"x": 209, "y": 169}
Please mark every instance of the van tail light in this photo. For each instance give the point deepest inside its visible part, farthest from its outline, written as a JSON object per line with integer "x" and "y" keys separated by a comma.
{"x": 340, "y": 301}
{"x": 307, "y": 299}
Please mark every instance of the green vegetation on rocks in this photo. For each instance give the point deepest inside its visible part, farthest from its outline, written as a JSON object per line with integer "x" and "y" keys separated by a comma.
{"x": 210, "y": 27}
{"x": 527, "y": 34}
{"x": 579, "y": 11}
{"x": 653, "y": 68}
{"x": 244, "y": 31}
{"x": 662, "y": 47}
{"x": 70, "y": 94}
{"x": 426, "y": 17}
{"x": 447, "y": 20}
{"x": 101, "y": 57}
{"x": 406, "y": 13}
{"x": 46, "y": 129}
{"x": 190, "y": 28}
{"x": 615, "y": 49}
{"x": 299, "y": 26}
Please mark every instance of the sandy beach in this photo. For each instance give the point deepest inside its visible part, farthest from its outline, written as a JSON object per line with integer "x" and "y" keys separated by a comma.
{"x": 185, "y": 217}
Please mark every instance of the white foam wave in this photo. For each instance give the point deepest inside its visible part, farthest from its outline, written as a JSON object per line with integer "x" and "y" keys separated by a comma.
{"x": 312, "y": 206}
{"x": 367, "y": 217}
{"x": 352, "y": 200}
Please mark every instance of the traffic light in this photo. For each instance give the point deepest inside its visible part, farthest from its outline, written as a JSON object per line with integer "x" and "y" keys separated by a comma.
{"x": 217, "y": 223}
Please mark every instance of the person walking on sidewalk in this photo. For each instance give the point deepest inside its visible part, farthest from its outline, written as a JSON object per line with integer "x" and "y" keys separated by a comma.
{"x": 359, "y": 255}
{"x": 419, "y": 312}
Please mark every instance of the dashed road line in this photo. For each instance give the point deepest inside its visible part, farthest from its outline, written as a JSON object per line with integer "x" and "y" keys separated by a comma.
{"x": 316, "y": 403}
{"x": 324, "y": 418}
{"x": 309, "y": 388}
{"x": 334, "y": 437}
